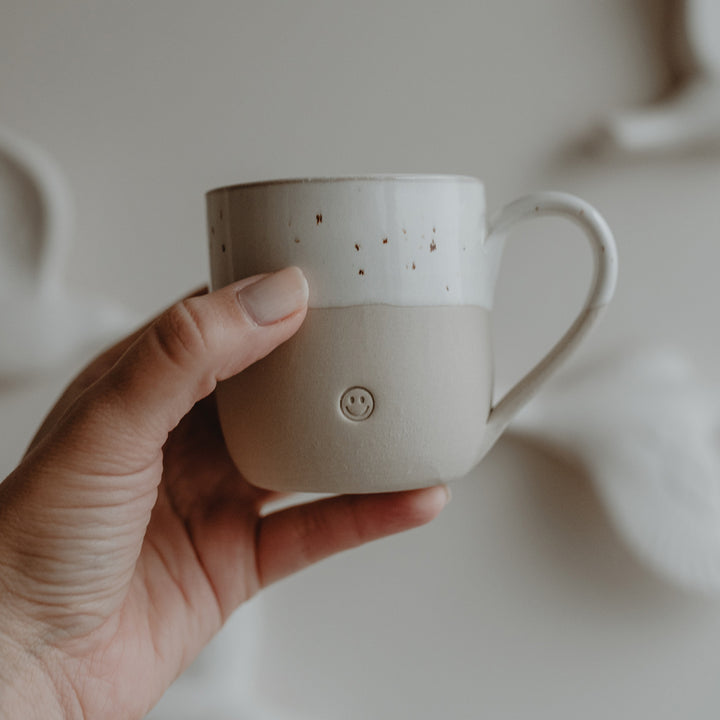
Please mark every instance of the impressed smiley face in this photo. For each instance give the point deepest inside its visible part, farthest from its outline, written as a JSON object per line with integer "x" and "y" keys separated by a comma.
{"x": 357, "y": 404}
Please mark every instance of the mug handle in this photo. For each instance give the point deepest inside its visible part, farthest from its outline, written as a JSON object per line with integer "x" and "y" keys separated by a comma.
{"x": 601, "y": 291}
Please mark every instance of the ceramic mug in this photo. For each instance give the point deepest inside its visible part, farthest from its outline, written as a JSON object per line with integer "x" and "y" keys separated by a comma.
{"x": 388, "y": 384}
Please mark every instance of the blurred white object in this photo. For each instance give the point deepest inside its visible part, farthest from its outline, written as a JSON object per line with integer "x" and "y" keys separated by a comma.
{"x": 42, "y": 323}
{"x": 647, "y": 430}
{"x": 702, "y": 35}
{"x": 691, "y": 116}
{"x": 220, "y": 683}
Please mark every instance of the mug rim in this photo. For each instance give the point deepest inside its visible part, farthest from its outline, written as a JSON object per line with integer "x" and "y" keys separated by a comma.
{"x": 381, "y": 177}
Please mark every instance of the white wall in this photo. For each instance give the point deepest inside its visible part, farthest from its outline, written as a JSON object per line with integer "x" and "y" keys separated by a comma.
{"x": 520, "y": 602}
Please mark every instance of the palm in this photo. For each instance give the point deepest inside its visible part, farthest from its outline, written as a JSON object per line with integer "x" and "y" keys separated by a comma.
{"x": 196, "y": 564}
{"x": 212, "y": 512}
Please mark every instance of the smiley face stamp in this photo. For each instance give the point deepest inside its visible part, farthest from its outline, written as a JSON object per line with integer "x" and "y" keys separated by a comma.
{"x": 357, "y": 404}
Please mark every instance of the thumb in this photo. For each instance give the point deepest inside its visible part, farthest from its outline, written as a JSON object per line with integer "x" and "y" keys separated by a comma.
{"x": 179, "y": 359}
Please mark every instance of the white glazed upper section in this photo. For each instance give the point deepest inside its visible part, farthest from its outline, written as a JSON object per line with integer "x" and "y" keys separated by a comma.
{"x": 406, "y": 240}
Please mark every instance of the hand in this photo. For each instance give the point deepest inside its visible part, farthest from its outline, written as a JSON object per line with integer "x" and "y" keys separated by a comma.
{"x": 127, "y": 536}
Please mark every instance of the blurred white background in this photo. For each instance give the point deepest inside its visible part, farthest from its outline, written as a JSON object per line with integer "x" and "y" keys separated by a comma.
{"x": 520, "y": 601}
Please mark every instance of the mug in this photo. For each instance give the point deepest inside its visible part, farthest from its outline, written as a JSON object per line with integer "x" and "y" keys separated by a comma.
{"x": 388, "y": 384}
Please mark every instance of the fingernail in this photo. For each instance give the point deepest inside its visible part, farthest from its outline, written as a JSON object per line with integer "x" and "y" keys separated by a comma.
{"x": 448, "y": 494}
{"x": 275, "y": 296}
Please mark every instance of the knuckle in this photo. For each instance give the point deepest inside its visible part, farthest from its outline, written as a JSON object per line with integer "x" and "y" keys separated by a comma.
{"x": 182, "y": 332}
{"x": 343, "y": 528}
{"x": 356, "y": 521}
{"x": 312, "y": 527}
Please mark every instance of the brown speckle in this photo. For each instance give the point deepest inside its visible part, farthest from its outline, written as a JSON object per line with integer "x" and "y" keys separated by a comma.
{"x": 433, "y": 229}
{"x": 222, "y": 247}
{"x": 318, "y": 218}
{"x": 404, "y": 231}
{"x": 212, "y": 230}
{"x": 447, "y": 287}
{"x": 433, "y": 246}
{"x": 361, "y": 272}
{"x": 297, "y": 240}
{"x": 385, "y": 241}
{"x": 537, "y": 208}
{"x": 413, "y": 266}
{"x": 357, "y": 247}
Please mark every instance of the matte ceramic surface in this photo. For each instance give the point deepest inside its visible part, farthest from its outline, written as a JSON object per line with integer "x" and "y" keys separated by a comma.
{"x": 364, "y": 399}
{"x": 388, "y": 385}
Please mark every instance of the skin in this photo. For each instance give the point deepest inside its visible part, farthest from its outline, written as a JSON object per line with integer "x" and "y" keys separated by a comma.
{"x": 127, "y": 536}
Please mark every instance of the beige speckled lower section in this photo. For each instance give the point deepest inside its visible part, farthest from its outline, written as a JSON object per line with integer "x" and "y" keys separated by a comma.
{"x": 429, "y": 370}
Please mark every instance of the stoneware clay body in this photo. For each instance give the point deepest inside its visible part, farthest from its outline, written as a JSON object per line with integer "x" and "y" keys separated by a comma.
{"x": 388, "y": 383}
